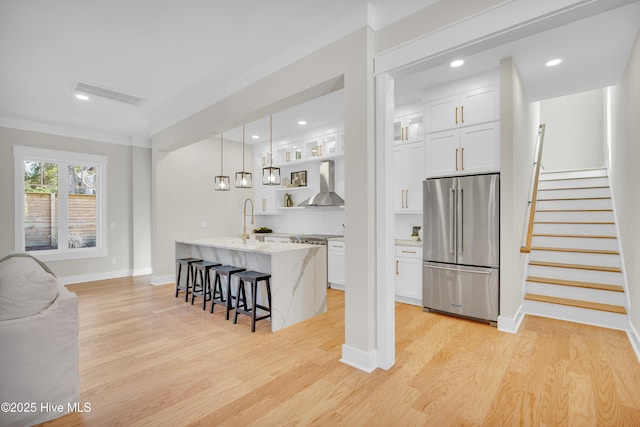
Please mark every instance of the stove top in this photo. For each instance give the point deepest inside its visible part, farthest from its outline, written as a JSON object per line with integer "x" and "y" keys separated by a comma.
{"x": 313, "y": 239}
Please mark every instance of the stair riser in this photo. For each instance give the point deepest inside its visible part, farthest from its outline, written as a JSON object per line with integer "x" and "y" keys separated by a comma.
{"x": 577, "y": 275}
{"x": 590, "y": 173}
{"x": 587, "y": 216}
{"x": 575, "y": 314}
{"x": 571, "y": 183}
{"x": 573, "y": 204}
{"x": 581, "y": 294}
{"x": 574, "y": 193}
{"x": 577, "y": 243}
{"x": 576, "y": 229}
{"x": 576, "y": 258}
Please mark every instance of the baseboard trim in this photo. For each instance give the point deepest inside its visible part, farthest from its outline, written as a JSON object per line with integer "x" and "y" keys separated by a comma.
{"x": 634, "y": 338}
{"x": 142, "y": 271}
{"x": 69, "y": 280}
{"x": 511, "y": 324}
{"x": 163, "y": 280}
{"x": 365, "y": 361}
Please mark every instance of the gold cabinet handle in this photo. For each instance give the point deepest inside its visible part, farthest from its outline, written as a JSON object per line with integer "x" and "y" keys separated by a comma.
{"x": 406, "y": 132}
{"x": 406, "y": 204}
{"x": 462, "y": 113}
{"x": 408, "y": 252}
{"x": 402, "y": 133}
{"x": 462, "y": 158}
{"x": 456, "y": 115}
{"x": 456, "y": 159}
{"x": 397, "y": 272}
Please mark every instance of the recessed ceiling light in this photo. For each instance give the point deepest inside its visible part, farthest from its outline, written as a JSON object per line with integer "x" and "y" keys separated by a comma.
{"x": 302, "y": 122}
{"x": 457, "y": 63}
{"x": 82, "y": 97}
{"x": 255, "y": 137}
{"x": 553, "y": 62}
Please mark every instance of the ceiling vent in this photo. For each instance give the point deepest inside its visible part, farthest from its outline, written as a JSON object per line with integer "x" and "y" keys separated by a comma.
{"x": 91, "y": 89}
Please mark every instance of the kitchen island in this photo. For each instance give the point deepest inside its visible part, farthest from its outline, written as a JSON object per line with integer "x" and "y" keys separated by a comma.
{"x": 298, "y": 272}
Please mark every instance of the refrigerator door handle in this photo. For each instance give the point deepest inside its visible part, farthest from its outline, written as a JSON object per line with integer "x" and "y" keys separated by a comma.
{"x": 479, "y": 271}
{"x": 451, "y": 220}
{"x": 460, "y": 219}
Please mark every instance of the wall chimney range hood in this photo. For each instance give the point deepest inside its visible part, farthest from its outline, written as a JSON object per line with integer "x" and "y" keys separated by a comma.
{"x": 326, "y": 196}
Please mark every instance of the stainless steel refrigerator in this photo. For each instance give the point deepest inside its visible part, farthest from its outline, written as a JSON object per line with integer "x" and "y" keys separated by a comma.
{"x": 461, "y": 250}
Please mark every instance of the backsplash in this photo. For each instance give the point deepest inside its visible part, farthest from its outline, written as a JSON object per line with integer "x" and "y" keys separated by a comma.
{"x": 305, "y": 221}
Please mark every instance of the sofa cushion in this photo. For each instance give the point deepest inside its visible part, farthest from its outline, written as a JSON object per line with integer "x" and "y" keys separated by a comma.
{"x": 26, "y": 287}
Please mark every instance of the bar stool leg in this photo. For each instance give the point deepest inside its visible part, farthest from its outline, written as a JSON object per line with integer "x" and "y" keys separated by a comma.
{"x": 178, "y": 278}
{"x": 206, "y": 289}
{"x": 254, "y": 309}
{"x": 217, "y": 288}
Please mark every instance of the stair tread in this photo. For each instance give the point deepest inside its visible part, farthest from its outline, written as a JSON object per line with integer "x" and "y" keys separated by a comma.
{"x": 573, "y": 199}
{"x": 577, "y": 284}
{"x": 577, "y": 236}
{"x": 573, "y": 188}
{"x": 576, "y": 303}
{"x": 574, "y": 210}
{"x": 577, "y": 250}
{"x": 576, "y": 222}
{"x": 576, "y": 266}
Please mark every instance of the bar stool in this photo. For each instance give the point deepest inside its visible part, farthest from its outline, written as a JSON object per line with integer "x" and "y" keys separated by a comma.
{"x": 217, "y": 296}
{"x": 202, "y": 289}
{"x": 252, "y": 277}
{"x": 185, "y": 262}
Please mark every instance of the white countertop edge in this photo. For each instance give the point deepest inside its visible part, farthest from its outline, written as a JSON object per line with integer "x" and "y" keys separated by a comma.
{"x": 236, "y": 244}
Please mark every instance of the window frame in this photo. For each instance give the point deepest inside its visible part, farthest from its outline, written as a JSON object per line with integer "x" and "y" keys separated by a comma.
{"x": 63, "y": 159}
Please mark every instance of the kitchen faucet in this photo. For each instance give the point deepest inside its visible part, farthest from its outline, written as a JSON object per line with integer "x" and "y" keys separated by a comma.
{"x": 244, "y": 219}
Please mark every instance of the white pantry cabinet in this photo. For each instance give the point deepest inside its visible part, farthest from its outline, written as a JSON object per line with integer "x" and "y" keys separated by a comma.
{"x": 408, "y": 173}
{"x": 463, "y": 109}
{"x": 469, "y": 150}
{"x": 408, "y": 269}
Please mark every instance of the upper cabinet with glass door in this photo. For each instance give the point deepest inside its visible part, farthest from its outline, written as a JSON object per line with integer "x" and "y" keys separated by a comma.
{"x": 408, "y": 128}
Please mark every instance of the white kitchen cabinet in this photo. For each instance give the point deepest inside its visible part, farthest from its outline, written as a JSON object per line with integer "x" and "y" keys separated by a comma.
{"x": 335, "y": 264}
{"x": 469, "y": 150}
{"x": 408, "y": 173}
{"x": 408, "y": 269}
{"x": 409, "y": 128}
{"x": 462, "y": 109}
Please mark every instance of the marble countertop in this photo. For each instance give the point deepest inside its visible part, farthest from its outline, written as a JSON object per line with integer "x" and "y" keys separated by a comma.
{"x": 236, "y": 243}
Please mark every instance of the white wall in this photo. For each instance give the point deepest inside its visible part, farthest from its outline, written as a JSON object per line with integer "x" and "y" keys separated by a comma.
{"x": 120, "y": 203}
{"x": 625, "y": 173}
{"x": 518, "y": 129}
{"x": 187, "y": 206}
{"x": 575, "y": 131}
{"x": 141, "y": 203}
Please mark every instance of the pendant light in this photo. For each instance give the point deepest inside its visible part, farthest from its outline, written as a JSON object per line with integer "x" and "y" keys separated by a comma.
{"x": 270, "y": 175}
{"x": 221, "y": 182}
{"x": 243, "y": 179}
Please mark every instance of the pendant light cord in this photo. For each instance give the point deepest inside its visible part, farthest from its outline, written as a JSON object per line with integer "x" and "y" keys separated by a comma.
{"x": 243, "y": 150}
{"x": 221, "y": 170}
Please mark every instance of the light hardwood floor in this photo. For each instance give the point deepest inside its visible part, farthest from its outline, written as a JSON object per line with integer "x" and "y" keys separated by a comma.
{"x": 147, "y": 358}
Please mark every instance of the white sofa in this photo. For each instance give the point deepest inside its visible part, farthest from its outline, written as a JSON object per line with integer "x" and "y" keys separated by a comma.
{"x": 39, "y": 345}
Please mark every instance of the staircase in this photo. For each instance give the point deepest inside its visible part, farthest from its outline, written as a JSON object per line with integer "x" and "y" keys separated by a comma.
{"x": 575, "y": 267}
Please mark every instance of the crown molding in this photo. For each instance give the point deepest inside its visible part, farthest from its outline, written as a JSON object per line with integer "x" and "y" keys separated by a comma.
{"x": 110, "y": 138}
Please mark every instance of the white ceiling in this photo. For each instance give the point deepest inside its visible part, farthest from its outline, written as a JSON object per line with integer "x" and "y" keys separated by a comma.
{"x": 182, "y": 56}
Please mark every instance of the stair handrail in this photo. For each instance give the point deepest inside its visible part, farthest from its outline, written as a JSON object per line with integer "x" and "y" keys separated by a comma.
{"x": 533, "y": 191}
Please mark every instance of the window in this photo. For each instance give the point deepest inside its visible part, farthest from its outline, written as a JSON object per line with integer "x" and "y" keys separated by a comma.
{"x": 60, "y": 201}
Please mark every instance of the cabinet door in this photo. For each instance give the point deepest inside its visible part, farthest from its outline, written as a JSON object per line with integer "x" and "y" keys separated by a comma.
{"x": 414, "y": 127}
{"x": 398, "y": 130}
{"x": 398, "y": 178}
{"x": 441, "y": 151}
{"x": 480, "y": 148}
{"x": 335, "y": 267}
{"x": 409, "y": 278}
{"x": 479, "y": 105}
{"x": 442, "y": 113}
{"x": 414, "y": 167}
